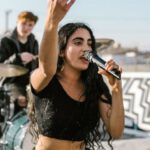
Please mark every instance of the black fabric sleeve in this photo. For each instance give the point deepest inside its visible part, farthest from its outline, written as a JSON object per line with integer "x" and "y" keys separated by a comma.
{"x": 44, "y": 93}
{"x": 14, "y": 59}
{"x": 4, "y": 50}
{"x": 7, "y": 53}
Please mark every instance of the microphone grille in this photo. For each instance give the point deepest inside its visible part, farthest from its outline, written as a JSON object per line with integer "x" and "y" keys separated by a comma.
{"x": 88, "y": 55}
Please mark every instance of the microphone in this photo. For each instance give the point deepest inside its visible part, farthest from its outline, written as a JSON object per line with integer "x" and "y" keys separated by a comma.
{"x": 94, "y": 58}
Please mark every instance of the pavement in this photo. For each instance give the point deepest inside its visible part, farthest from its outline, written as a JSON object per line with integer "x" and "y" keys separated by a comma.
{"x": 130, "y": 144}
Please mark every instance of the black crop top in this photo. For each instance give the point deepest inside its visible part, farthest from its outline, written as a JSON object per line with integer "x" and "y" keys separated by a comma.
{"x": 59, "y": 116}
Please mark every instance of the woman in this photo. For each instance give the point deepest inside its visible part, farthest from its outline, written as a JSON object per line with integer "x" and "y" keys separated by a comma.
{"x": 70, "y": 96}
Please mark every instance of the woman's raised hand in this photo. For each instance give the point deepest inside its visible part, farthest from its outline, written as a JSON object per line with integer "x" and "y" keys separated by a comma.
{"x": 57, "y": 9}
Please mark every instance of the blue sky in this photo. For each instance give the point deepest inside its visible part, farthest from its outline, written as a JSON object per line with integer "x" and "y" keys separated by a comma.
{"x": 125, "y": 21}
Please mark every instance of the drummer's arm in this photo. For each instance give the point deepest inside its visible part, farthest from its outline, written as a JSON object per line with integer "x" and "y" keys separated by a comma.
{"x": 2, "y": 50}
{"x": 14, "y": 59}
{"x": 5, "y": 51}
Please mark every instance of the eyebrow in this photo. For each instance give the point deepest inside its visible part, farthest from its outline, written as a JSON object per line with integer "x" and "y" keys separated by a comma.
{"x": 79, "y": 38}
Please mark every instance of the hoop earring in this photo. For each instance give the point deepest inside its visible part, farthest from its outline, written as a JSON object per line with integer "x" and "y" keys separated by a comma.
{"x": 62, "y": 68}
{"x": 62, "y": 64}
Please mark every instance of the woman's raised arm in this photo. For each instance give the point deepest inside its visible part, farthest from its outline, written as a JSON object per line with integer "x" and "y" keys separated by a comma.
{"x": 49, "y": 48}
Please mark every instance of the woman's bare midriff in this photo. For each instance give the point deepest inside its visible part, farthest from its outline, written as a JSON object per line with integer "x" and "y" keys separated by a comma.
{"x": 47, "y": 143}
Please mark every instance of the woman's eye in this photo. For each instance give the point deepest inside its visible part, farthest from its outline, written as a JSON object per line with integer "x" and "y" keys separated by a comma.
{"x": 78, "y": 43}
{"x": 90, "y": 44}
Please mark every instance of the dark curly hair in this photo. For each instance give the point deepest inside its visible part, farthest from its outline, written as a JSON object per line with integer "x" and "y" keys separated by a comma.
{"x": 94, "y": 84}
{"x": 95, "y": 87}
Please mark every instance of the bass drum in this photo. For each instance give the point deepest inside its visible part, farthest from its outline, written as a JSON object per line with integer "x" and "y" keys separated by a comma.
{"x": 16, "y": 135}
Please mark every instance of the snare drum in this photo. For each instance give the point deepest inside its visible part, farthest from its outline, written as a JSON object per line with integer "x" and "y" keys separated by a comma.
{"x": 16, "y": 135}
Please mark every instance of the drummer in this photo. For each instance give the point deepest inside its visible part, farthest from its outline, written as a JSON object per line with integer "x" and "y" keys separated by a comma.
{"x": 20, "y": 47}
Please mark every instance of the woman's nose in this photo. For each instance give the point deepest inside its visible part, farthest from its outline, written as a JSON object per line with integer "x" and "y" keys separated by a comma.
{"x": 87, "y": 50}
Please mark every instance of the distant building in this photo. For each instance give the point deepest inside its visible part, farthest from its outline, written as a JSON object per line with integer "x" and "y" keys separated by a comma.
{"x": 130, "y": 58}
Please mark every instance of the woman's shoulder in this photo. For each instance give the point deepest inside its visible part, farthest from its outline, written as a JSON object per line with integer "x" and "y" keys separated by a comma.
{"x": 51, "y": 86}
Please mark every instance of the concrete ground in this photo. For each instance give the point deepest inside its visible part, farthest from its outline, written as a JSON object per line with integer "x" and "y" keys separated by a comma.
{"x": 130, "y": 144}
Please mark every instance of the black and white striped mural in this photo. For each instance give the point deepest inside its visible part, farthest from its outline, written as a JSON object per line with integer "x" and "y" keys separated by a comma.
{"x": 136, "y": 94}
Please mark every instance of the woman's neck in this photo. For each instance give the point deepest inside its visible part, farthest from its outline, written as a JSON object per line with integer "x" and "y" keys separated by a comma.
{"x": 70, "y": 75}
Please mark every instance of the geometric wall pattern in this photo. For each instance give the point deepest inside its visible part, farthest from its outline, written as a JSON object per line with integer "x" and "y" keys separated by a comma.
{"x": 136, "y": 95}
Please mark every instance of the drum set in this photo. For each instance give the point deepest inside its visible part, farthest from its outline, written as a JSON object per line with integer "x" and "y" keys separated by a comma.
{"x": 14, "y": 128}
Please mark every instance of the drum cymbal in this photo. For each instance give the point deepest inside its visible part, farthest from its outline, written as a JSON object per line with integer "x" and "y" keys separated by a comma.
{"x": 9, "y": 70}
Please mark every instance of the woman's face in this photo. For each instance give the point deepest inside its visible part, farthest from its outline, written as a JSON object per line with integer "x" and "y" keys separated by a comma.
{"x": 79, "y": 42}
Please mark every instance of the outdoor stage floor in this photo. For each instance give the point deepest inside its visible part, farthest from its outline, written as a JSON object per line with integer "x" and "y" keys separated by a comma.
{"x": 131, "y": 144}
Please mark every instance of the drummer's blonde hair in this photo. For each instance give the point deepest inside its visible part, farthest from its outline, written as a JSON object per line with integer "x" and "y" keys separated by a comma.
{"x": 27, "y": 16}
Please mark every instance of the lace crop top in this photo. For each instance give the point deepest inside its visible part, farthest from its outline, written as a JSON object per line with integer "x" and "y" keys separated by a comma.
{"x": 59, "y": 116}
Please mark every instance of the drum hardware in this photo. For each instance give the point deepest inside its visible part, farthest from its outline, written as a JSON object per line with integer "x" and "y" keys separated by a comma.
{"x": 3, "y": 109}
{"x": 4, "y": 106}
{"x": 3, "y": 142}
{"x": 4, "y": 98}
{"x": 22, "y": 126}
{"x": 7, "y": 112}
{"x": 9, "y": 70}
{"x": 12, "y": 109}
{"x": 17, "y": 147}
{"x": 9, "y": 123}
{"x": 3, "y": 112}
{"x": 16, "y": 136}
